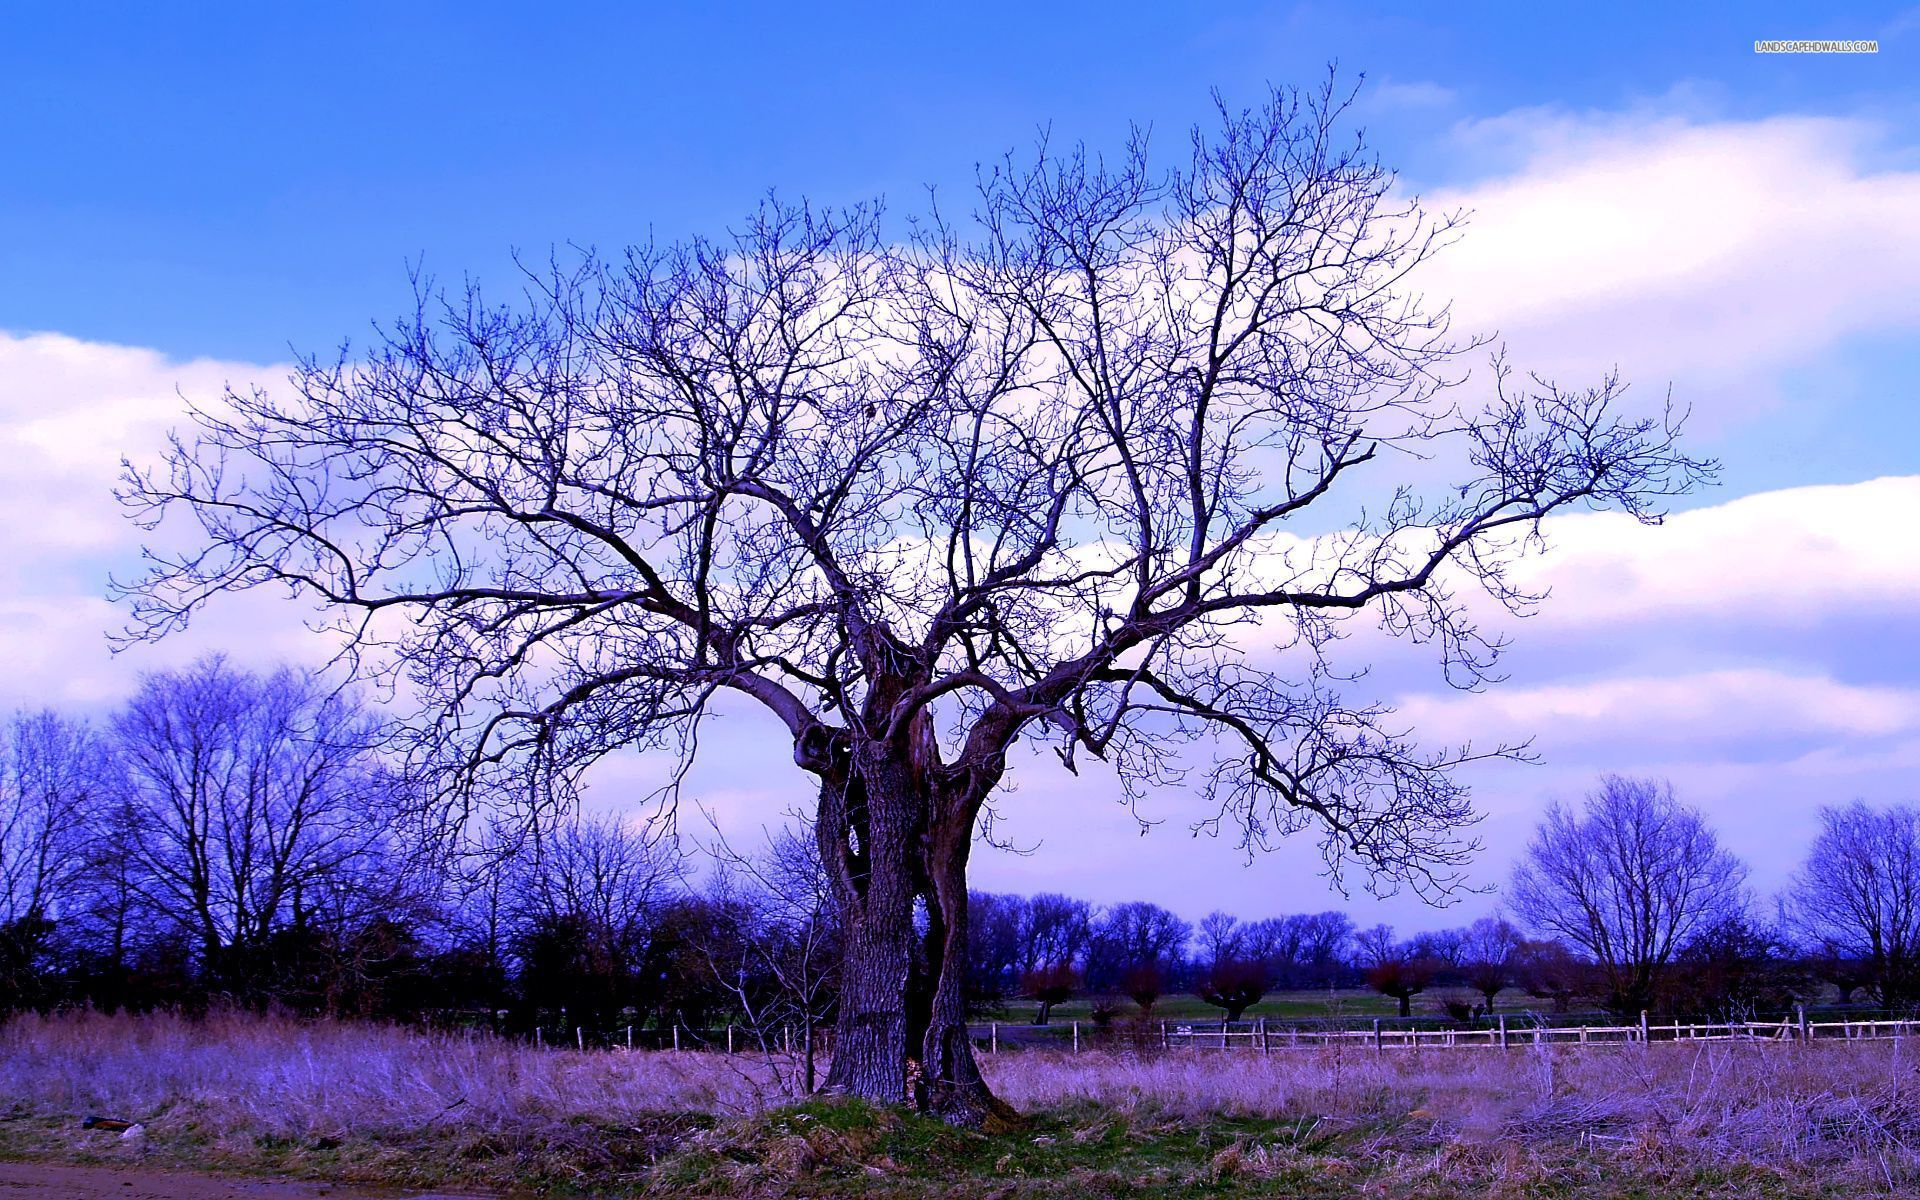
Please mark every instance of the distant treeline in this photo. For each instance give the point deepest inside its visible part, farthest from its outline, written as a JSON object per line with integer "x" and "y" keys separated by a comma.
{"x": 235, "y": 838}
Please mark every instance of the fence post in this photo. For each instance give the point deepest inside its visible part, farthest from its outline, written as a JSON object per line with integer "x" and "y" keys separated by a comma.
{"x": 1166, "y": 1039}
{"x": 629, "y": 1037}
{"x": 1378, "y": 1044}
{"x": 539, "y": 1039}
{"x": 1643, "y": 1027}
{"x": 1503, "y": 1031}
{"x": 1536, "y": 1034}
{"x": 1583, "y": 1035}
{"x": 729, "y": 1038}
{"x": 994, "y": 1039}
{"x": 1076, "y": 1037}
{"x": 1266, "y": 1047}
{"x": 1800, "y": 1011}
{"x": 676, "y": 1035}
{"x": 579, "y": 1038}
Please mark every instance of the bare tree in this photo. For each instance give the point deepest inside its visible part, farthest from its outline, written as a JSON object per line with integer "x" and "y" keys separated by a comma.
{"x": 1302, "y": 949}
{"x": 591, "y": 893}
{"x": 602, "y": 869}
{"x": 245, "y": 793}
{"x": 1629, "y": 881}
{"x": 1039, "y": 478}
{"x": 53, "y": 782}
{"x": 994, "y": 949}
{"x": 1222, "y": 937}
{"x": 1136, "y": 939}
{"x": 1394, "y": 968}
{"x": 1488, "y": 957}
{"x": 52, "y": 775}
{"x": 1858, "y": 896}
{"x": 1055, "y": 931}
{"x": 782, "y": 910}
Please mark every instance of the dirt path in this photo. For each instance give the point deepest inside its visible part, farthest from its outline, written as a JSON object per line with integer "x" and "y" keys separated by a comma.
{"x": 46, "y": 1181}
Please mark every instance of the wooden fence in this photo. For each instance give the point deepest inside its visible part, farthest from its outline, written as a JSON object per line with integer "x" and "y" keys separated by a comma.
{"x": 1262, "y": 1037}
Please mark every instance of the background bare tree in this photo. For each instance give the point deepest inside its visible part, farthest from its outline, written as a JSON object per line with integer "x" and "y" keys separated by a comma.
{"x": 53, "y": 779}
{"x": 1302, "y": 949}
{"x": 53, "y": 776}
{"x": 1628, "y": 880}
{"x": 1858, "y": 896}
{"x": 1055, "y": 931}
{"x": 1489, "y": 957}
{"x": 1034, "y": 479}
{"x": 1133, "y": 943}
{"x": 1219, "y": 937}
{"x": 592, "y": 891}
{"x": 1394, "y": 968}
{"x": 246, "y": 793}
{"x": 785, "y": 931}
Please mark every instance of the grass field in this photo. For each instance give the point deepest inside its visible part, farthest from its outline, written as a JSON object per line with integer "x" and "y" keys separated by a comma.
{"x": 394, "y": 1107}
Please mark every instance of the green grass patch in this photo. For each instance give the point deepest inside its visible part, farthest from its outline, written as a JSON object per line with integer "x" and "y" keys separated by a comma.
{"x": 837, "y": 1148}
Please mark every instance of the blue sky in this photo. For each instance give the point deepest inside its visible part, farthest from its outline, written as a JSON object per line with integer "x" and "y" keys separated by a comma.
{"x": 226, "y": 180}
{"x": 185, "y": 193}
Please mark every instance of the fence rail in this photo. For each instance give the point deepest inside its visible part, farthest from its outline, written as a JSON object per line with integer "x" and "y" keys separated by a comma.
{"x": 1266, "y": 1038}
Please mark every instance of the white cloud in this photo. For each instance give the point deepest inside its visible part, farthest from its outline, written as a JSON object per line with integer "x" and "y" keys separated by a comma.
{"x": 1695, "y": 711}
{"x": 1390, "y": 95}
{"x": 1791, "y": 556}
{"x": 69, "y": 410}
{"x": 1673, "y": 247}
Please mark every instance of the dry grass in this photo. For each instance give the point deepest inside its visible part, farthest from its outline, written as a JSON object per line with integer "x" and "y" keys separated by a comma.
{"x": 297, "y": 1078}
{"x": 1853, "y": 1105}
{"x": 400, "y": 1106}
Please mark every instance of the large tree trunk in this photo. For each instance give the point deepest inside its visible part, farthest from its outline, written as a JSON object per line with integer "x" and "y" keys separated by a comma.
{"x": 897, "y": 851}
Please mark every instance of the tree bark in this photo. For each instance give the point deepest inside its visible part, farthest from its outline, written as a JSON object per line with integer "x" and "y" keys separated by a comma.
{"x": 896, "y": 847}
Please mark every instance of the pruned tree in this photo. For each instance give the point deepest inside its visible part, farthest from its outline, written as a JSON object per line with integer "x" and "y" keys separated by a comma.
{"x": 1394, "y": 968}
{"x": 1547, "y": 970}
{"x": 1629, "y": 880}
{"x": 1144, "y": 984}
{"x": 1490, "y": 947}
{"x": 1402, "y": 977}
{"x": 1049, "y": 985}
{"x": 1234, "y": 984}
{"x": 1857, "y": 896}
{"x": 1042, "y": 478}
